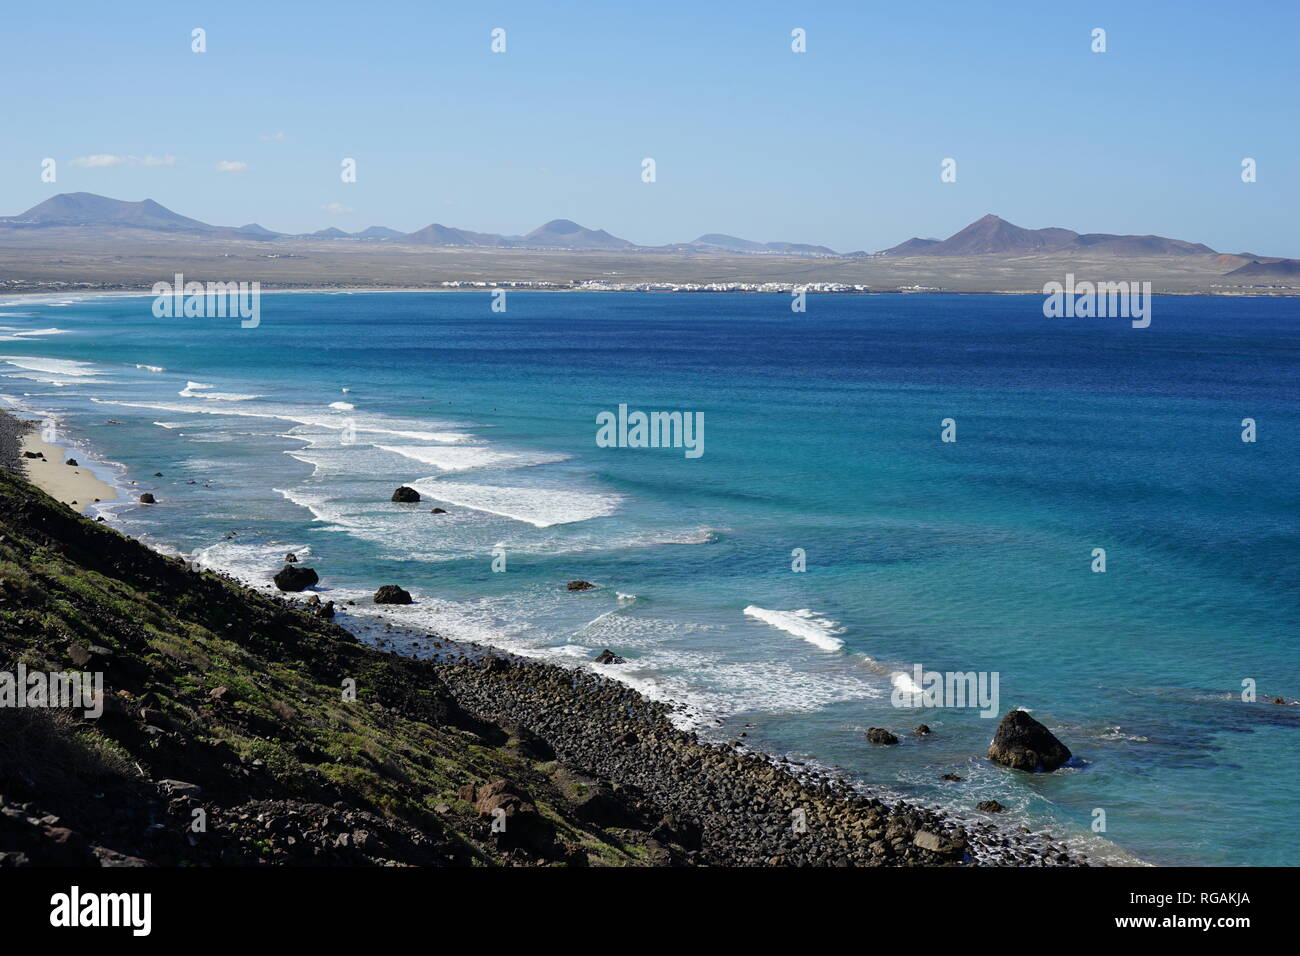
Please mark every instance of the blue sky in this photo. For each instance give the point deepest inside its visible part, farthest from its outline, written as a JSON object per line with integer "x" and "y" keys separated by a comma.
{"x": 840, "y": 145}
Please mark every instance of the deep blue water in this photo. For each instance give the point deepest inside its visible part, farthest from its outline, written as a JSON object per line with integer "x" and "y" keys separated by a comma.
{"x": 822, "y": 432}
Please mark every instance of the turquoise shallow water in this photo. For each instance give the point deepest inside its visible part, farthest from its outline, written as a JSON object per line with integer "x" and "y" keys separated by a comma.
{"x": 822, "y": 432}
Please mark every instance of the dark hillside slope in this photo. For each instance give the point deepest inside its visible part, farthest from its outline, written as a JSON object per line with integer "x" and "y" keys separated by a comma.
{"x": 239, "y": 694}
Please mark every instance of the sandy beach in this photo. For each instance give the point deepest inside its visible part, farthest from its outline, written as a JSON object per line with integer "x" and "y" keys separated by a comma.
{"x": 74, "y": 485}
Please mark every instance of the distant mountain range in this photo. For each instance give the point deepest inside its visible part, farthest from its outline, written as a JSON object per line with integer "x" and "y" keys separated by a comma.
{"x": 987, "y": 236}
{"x": 89, "y": 211}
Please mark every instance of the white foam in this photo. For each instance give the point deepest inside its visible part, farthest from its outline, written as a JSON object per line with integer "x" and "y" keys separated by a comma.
{"x": 255, "y": 564}
{"x": 539, "y": 507}
{"x": 53, "y": 366}
{"x": 465, "y": 457}
{"x": 320, "y": 506}
{"x": 277, "y": 413}
{"x": 342, "y": 406}
{"x": 200, "y": 390}
{"x": 902, "y": 682}
{"x": 151, "y": 368}
{"x": 802, "y": 623}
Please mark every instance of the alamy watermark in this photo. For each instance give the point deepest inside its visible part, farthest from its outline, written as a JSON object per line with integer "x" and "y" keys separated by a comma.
{"x": 960, "y": 689}
{"x": 1102, "y": 300}
{"x": 639, "y": 429}
{"x": 53, "y": 689}
{"x": 133, "y": 911}
{"x": 209, "y": 300}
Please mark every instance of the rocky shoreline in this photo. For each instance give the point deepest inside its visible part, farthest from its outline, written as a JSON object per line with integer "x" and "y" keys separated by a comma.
{"x": 743, "y": 807}
{"x": 733, "y": 807}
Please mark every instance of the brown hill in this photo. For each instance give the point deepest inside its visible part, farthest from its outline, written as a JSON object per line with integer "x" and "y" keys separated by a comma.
{"x": 1277, "y": 269}
{"x": 994, "y": 236}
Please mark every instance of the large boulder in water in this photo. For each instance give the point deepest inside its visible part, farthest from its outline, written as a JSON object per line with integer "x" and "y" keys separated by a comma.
{"x": 294, "y": 578}
{"x": 608, "y": 657}
{"x": 406, "y": 495}
{"x": 1022, "y": 743}
{"x": 581, "y": 586}
{"x": 392, "y": 594}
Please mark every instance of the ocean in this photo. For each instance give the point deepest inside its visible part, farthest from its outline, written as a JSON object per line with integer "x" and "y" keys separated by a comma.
{"x": 826, "y": 540}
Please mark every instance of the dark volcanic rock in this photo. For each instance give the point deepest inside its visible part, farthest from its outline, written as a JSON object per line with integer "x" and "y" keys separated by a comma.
{"x": 83, "y": 656}
{"x": 581, "y": 586}
{"x": 148, "y": 499}
{"x": 71, "y": 461}
{"x": 878, "y": 735}
{"x": 1022, "y": 743}
{"x": 405, "y": 494}
{"x": 392, "y": 594}
{"x": 293, "y": 578}
{"x": 990, "y": 806}
{"x": 952, "y": 777}
{"x": 437, "y": 511}
{"x": 608, "y": 657}
{"x": 291, "y": 558}
{"x": 514, "y": 813}
{"x": 922, "y": 730}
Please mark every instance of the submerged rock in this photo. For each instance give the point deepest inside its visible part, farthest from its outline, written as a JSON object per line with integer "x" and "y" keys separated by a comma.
{"x": 922, "y": 730}
{"x": 581, "y": 586}
{"x": 990, "y": 806}
{"x": 437, "y": 511}
{"x": 1022, "y": 743}
{"x": 293, "y": 578}
{"x": 406, "y": 495}
{"x": 392, "y": 594}
{"x": 148, "y": 499}
{"x": 291, "y": 558}
{"x": 878, "y": 735}
{"x": 608, "y": 657}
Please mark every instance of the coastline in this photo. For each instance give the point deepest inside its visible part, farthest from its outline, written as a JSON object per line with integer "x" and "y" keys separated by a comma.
{"x": 44, "y": 465}
{"x": 660, "y": 288}
{"x": 732, "y": 806}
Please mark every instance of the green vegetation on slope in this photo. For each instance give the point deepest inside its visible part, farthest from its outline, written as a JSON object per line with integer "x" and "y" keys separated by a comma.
{"x": 245, "y": 697}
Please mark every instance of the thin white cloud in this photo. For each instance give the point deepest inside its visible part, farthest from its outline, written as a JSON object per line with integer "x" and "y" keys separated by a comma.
{"x": 336, "y": 208}
{"x": 231, "y": 166}
{"x": 276, "y": 137}
{"x": 101, "y": 160}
